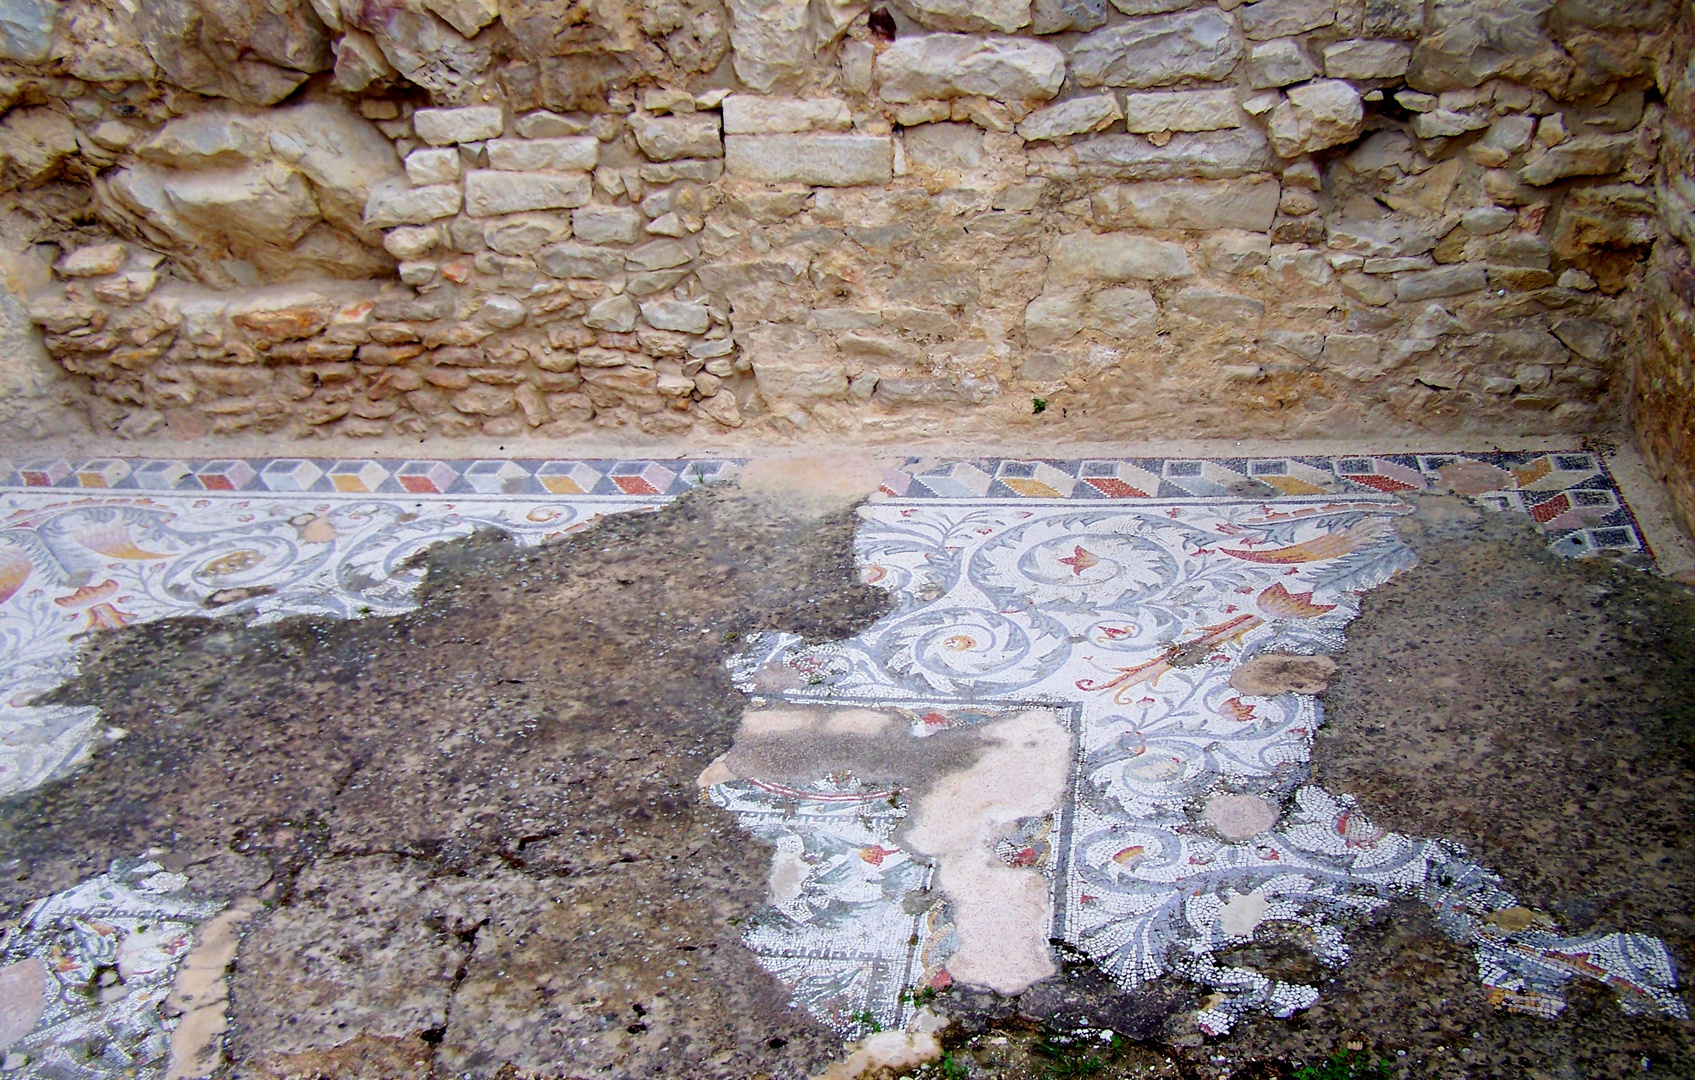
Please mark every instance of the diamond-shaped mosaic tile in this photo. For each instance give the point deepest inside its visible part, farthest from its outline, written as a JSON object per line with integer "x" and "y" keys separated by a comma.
{"x": 960, "y": 480}
{"x": 1036, "y": 479}
{"x": 1119, "y": 479}
{"x": 290, "y": 474}
{"x": 1380, "y": 475}
{"x": 231, "y": 475}
{"x": 357, "y": 476}
{"x": 567, "y": 477}
{"x": 161, "y": 475}
{"x": 497, "y": 477}
{"x": 102, "y": 473}
{"x": 642, "y": 477}
{"x": 426, "y": 477}
{"x": 45, "y": 473}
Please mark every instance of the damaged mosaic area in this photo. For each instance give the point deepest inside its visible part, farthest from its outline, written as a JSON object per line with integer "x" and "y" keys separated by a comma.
{"x": 1112, "y": 623}
{"x": 1188, "y": 822}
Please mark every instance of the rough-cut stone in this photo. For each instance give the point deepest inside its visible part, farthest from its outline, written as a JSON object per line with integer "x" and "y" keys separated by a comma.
{"x": 1207, "y": 155}
{"x": 444, "y": 127}
{"x": 26, "y": 30}
{"x": 574, "y": 260}
{"x": 1124, "y": 312}
{"x": 667, "y": 138}
{"x": 942, "y": 66}
{"x": 1316, "y": 115}
{"x": 771, "y": 40}
{"x": 1278, "y": 63}
{"x": 748, "y": 114}
{"x": 425, "y": 167}
{"x": 574, "y": 154}
{"x": 95, "y": 260}
{"x": 1119, "y": 257}
{"x": 1284, "y": 18}
{"x": 395, "y": 203}
{"x": 970, "y": 16}
{"x": 1182, "y": 110}
{"x": 1158, "y": 51}
{"x": 819, "y": 160}
{"x": 466, "y": 16}
{"x": 790, "y": 362}
{"x": 1076, "y": 116}
{"x": 1249, "y": 203}
{"x": 340, "y": 152}
{"x": 683, "y": 316}
{"x": 1585, "y": 155}
{"x": 206, "y": 140}
{"x": 1442, "y": 281}
{"x": 606, "y": 224}
{"x": 1367, "y": 59}
{"x": 491, "y": 191}
{"x": 613, "y": 313}
{"x": 1058, "y": 16}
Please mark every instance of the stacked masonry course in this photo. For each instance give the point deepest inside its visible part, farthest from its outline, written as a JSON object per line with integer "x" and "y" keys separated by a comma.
{"x": 1162, "y": 217}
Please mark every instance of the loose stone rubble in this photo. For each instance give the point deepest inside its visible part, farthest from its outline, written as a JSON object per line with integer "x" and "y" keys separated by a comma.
{"x": 819, "y": 219}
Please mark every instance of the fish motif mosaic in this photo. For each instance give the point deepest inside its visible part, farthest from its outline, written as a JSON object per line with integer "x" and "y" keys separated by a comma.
{"x": 1117, "y": 593}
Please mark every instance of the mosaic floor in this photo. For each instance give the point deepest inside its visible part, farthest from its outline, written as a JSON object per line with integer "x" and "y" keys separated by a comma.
{"x": 1122, "y": 596}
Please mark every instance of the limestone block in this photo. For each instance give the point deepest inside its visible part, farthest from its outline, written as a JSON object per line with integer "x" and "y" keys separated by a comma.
{"x": 1159, "y": 50}
{"x": 444, "y": 127}
{"x": 1585, "y": 155}
{"x": 1316, "y": 115}
{"x": 95, "y": 260}
{"x": 748, "y": 114}
{"x": 969, "y": 16}
{"x": 395, "y": 203}
{"x": 26, "y": 30}
{"x": 205, "y": 140}
{"x": 667, "y": 138}
{"x": 819, "y": 160}
{"x": 1367, "y": 59}
{"x": 1248, "y": 203}
{"x": 1118, "y": 257}
{"x": 1074, "y": 117}
{"x": 1442, "y": 281}
{"x": 613, "y": 313}
{"x": 1183, "y": 110}
{"x": 944, "y": 146}
{"x": 1278, "y": 63}
{"x": 683, "y": 316}
{"x": 598, "y": 224}
{"x": 662, "y": 254}
{"x": 269, "y": 203}
{"x": 1058, "y": 16}
{"x": 1206, "y": 154}
{"x": 771, "y": 40}
{"x": 501, "y": 312}
{"x": 435, "y": 166}
{"x": 858, "y": 59}
{"x": 340, "y": 152}
{"x": 466, "y": 16}
{"x": 542, "y": 124}
{"x": 1507, "y": 136}
{"x": 1219, "y": 308}
{"x": 411, "y": 242}
{"x": 1284, "y": 18}
{"x": 943, "y": 66}
{"x": 1446, "y": 123}
{"x": 1124, "y": 312}
{"x": 1053, "y": 317}
{"x": 575, "y": 260}
{"x": 359, "y": 62}
{"x": 791, "y": 362}
{"x": 523, "y": 234}
{"x": 492, "y": 191}
{"x": 573, "y": 154}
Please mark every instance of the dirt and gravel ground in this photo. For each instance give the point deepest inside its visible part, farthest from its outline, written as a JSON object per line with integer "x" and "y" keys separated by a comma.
{"x": 476, "y": 832}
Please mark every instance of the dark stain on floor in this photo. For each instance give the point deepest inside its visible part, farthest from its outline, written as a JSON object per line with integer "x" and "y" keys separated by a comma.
{"x": 486, "y": 851}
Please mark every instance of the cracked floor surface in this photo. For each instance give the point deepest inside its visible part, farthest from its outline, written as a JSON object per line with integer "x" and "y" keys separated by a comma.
{"x": 476, "y": 845}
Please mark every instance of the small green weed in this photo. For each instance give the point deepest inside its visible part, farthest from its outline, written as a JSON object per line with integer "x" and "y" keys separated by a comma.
{"x": 951, "y": 1068}
{"x": 1067, "y": 1057}
{"x": 1346, "y": 1065}
{"x": 1038, "y": 405}
{"x": 864, "y": 1018}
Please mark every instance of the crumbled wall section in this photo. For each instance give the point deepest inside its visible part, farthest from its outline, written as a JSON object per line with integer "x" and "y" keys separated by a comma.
{"x": 822, "y": 218}
{"x": 1663, "y": 405}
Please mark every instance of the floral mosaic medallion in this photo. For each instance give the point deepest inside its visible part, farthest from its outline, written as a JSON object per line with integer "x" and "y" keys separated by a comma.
{"x": 1115, "y": 601}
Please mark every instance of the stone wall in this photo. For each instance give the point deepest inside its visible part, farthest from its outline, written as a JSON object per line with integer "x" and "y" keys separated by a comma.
{"x": 822, "y": 219}
{"x": 1663, "y": 405}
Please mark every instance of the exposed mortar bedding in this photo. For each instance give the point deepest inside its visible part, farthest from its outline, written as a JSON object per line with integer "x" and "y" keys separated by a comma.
{"x": 482, "y": 814}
